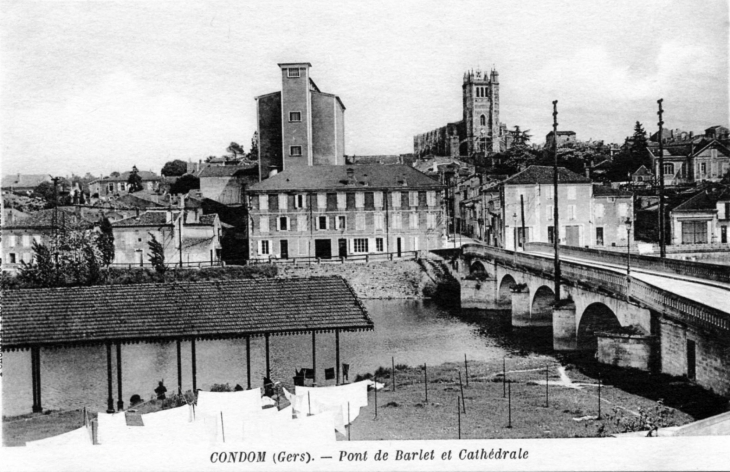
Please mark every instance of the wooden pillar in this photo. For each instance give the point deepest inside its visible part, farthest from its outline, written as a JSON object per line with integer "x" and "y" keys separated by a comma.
{"x": 179, "y": 368}
{"x": 35, "y": 362}
{"x": 33, "y": 379}
{"x": 110, "y": 398}
{"x": 248, "y": 362}
{"x": 120, "y": 401}
{"x": 195, "y": 379}
{"x": 268, "y": 363}
{"x": 314, "y": 359}
{"x": 337, "y": 357}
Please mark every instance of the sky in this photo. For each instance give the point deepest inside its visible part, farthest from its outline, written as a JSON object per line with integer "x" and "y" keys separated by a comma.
{"x": 102, "y": 86}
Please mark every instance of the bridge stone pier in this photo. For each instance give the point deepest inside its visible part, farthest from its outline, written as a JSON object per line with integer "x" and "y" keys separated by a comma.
{"x": 629, "y": 322}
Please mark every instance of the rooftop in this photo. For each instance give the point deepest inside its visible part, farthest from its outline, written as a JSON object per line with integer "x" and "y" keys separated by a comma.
{"x": 24, "y": 180}
{"x": 335, "y": 177}
{"x": 149, "y": 218}
{"x": 606, "y": 191}
{"x": 544, "y": 175}
{"x": 167, "y": 311}
{"x": 706, "y": 200}
{"x": 227, "y": 171}
{"x": 44, "y": 219}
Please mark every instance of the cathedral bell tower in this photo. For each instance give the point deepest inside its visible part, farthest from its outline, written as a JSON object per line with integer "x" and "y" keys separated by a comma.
{"x": 481, "y": 111}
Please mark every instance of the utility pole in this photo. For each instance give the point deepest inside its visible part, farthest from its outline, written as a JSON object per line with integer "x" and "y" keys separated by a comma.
{"x": 522, "y": 214}
{"x": 660, "y": 174}
{"x": 556, "y": 221}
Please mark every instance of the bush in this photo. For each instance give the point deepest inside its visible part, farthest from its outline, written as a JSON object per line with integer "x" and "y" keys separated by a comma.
{"x": 221, "y": 388}
{"x": 175, "y": 400}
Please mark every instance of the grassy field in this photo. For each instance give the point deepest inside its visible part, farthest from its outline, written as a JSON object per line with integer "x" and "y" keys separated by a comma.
{"x": 405, "y": 414}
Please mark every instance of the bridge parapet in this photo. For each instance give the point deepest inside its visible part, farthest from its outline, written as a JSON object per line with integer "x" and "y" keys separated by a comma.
{"x": 699, "y": 270}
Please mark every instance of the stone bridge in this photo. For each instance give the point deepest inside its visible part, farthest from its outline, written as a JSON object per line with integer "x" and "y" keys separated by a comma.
{"x": 625, "y": 320}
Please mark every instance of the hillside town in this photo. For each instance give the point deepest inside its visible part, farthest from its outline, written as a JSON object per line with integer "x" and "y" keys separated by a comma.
{"x": 284, "y": 288}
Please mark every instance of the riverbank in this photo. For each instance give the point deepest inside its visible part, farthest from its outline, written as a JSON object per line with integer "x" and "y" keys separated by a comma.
{"x": 571, "y": 411}
{"x": 409, "y": 279}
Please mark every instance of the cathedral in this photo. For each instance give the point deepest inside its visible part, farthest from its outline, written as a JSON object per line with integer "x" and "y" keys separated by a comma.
{"x": 479, "y": 131}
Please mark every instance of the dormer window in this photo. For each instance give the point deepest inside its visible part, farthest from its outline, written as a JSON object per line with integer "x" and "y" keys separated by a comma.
{"x": 292, "y": 73}
{"x": 295, "y": 116}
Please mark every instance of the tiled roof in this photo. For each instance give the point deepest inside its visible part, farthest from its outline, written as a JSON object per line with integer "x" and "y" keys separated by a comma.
{"x": 201, "y": 309}
{"x": 226, "y": 171}
{"x": 124, "y": 177}
{"x": 149, "y": 218}
{"x": 208, "y": 220}
{"x": 706, "y": 200}
{"x": 24, "y": 180}
{"x": 606, "y": 191}
{"x": 335, "y": 177}
{"x": 45, "y": 218}
{"x": 544, "y": 175}
{"x": 642, "y": 171}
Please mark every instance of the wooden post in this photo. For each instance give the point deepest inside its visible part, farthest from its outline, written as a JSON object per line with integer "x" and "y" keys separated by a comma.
{"x": 120, "y": 401}
{"x": 392, "y": 362}
{"x": 195, "y": 376}
{"x": 337, "y": 357}
{"x": 110, "y": 398}
{"x": 509, "y": 406}
{"x": 466, "y": 369}
{"x": 179, "y": 368}
{"x": 547, "y": 389}
{"x": 599, "y": 397}
{"x": 314, "y": 359}
{"x": 223, "y": 429}
{"x": 268, "y": 361}
{"x": 35, "y": 367}
{"x": 458, "y": 413}
{"x": 248, "y": 362}
{"x": 375, "y": 389}
{"x": 461, "y": 386}
{"x": 504, "y": 378}
{"x": 33, "y": 379}
{"x": 425, "y": 381}
{"x": 348, "y": 421}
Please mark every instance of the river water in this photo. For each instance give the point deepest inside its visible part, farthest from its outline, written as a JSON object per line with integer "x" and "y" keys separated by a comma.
{"x": 413, "y": 332}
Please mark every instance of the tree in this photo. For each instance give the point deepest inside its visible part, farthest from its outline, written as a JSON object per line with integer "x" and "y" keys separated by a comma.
{"x": 114, "y": 174}
{"x": 236, "y": 149}
{"x": 639, "y": 151}
{"x": 174, "y": 168}
{"x": 157, "y": 255}
{"x": 254, "y": 154}
{"x": 105, "y": 240}
{"x": 40, "y": 272}
{"x": 134, "y": 180}
{"x": 210, "y": 158}
{"x": 50, "y": 194}
{"x": 185, "y": 184}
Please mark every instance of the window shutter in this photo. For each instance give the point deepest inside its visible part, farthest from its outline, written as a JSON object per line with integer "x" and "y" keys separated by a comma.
{"x": 321, "y": 201}
{"x": 282, "y": 201}
{"x": 264, "y": 224}
{"x": 263, "y": 202}
{"x": 378, "y": 199}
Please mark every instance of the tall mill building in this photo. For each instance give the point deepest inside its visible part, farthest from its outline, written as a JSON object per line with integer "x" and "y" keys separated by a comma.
{"x": 478, "y": 131}
{"x": 300, "y": 126}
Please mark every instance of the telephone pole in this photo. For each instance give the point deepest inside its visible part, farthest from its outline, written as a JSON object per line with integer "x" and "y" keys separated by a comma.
{"x": 660, "y": 174}
{"x": 556, "y": 222}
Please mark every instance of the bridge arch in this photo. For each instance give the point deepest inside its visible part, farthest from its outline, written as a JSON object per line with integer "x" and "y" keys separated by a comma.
{"x": 504, "y": 294}
{"x": 597, "y": 317}
{"x": 541, "y": 307}
{"x": 477, "y": 267}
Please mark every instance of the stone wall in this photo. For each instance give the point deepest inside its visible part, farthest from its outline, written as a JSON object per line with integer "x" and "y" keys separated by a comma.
{"x": 625, "y": 351}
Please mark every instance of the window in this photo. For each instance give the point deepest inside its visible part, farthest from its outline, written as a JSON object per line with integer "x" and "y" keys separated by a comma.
{"x": 621, "y": 232}
{"x": 413, "y": 199}
{"x": 703, "y": 168}
{"x": 378, "y": 221}
{"x": 121, "y": 186}
{"x": 263, "y": 202}
{"x": 483, "y": 120}
{"x": 600, "y": 210}
{"x": 431, "y": 198}
{"x": 283, "y": 223}
{"x": 321, "y": 222}
{"x": 397, "y": 221}
{"x": 264, "y": 247}
{"x": 571, "y": 193}
{"x": 322, "y": 201}
{"x": 292, "y": 73}
{"x": 549, "y": 191}
{"x": 11, "y": 258}
{"x": 723, "y": 234}
{"x": 599, "y": 236}
{"x": 295, "y": 116}
{"x": 550, "y": 212}
{"x": 341, "y": 201}
{"x": 623, "y": 210}
{"x": 396, "y": 199}
{"x": 360, "y": 245}
{"x": 11, "y": 240}
{"x": 26, "y": 240}
{"x": 341, "y": 222}
{"x": 694, "y": 232}
{"x": 551, "y": 234}
{"x": 359, "y": 199}
{"x": 413, "y": 221}
{"x": 283, "y": 201}
{"x": 571, "y": 212}
{"x": 300, "y": 201}
{"x": 727, "y": 211}
{"x": 264, "y": 224}
{"x": 669, "y": 169}
{"x": 360, "y": 222}
{"x": 430, "y": 221}
{"x": 378, "y": 199}
{"x": 295, "y": 150}
{"x": 110, "y": 188}
{"x": 379, "y": 244}
{"x": 301, "y": 222}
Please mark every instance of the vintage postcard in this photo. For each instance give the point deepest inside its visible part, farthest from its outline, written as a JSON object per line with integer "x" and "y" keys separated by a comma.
{"x": 417, "y": 235}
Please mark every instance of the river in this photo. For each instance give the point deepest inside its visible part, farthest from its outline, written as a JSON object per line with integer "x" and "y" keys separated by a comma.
{"x": 413, "y": 332}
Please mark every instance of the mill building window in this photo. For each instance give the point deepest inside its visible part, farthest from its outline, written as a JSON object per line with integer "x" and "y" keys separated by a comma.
{"x": 669, "y": 169}
{"x": 360, "y": 245}
{"x": 295, "y": 116}
{"x": 292, "y": 73}
{"x": 483, "y": 120}
{"x": 295, "y": 150}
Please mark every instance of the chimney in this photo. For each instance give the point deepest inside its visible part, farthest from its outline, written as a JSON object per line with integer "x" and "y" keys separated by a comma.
{"x": 351, "y": 176}
{"x": 182, "y": 201}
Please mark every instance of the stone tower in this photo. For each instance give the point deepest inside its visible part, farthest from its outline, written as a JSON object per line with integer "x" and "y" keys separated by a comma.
{"x": 481, "y": 111}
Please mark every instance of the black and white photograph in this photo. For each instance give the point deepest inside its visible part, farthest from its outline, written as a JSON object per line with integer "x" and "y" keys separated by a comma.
{"x": 413, "y": 235}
